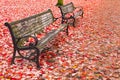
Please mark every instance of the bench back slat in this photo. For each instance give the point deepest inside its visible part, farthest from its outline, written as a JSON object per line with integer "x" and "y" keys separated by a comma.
{"x": 31, "y": 25}
{"x": 67, "y": 8}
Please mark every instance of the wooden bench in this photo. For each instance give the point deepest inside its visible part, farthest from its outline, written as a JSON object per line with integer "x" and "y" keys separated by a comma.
{"x": 70, "y": 12}
{"x": 23, "y": 29}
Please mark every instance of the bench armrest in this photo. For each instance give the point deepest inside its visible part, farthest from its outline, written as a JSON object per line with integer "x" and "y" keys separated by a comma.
{"x": 26, "y": 37}
{"x": 57, "y": 18}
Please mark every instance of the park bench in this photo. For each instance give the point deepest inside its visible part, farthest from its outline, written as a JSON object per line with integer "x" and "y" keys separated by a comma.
{"x": 70, "y": 12}
{"x": 22, "y": 30}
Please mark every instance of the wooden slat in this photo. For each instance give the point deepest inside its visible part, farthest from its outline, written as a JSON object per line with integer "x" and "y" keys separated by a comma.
{"x": 50, "y": 36}
{"x": 33, "y": 24}
{"x": 67, "y": 8}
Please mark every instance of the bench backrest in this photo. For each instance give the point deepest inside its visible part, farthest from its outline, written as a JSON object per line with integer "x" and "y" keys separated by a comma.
{"x": 67, "y": 8}
{"x": 30, "y": 25}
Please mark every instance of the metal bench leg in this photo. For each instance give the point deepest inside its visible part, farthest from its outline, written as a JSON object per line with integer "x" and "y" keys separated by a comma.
{"x": 37, "y": 58}
{"x": 73, "y": 22}
{"x": 82, "y": 15}
{"x": 13, "y": 58}
{"x": 62, "y": 21}
{"x": 67, "y": 32}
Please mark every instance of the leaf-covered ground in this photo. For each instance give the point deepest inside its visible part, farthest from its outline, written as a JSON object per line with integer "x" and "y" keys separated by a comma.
{"x": 90, "y": 52}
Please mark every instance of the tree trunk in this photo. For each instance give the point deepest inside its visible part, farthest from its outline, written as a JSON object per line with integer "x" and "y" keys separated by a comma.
{"x": 60, "y": 3}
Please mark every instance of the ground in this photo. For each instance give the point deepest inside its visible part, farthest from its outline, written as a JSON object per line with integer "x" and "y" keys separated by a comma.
{"x": 90, "y": 52}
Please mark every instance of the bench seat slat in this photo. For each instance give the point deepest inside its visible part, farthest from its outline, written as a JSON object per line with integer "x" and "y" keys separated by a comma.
{"x": 49, "y": 36}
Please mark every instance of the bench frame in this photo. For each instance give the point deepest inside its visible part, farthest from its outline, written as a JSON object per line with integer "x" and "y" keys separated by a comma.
{"x": 32, "y": 46}
{"x": 69, "y": 8}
